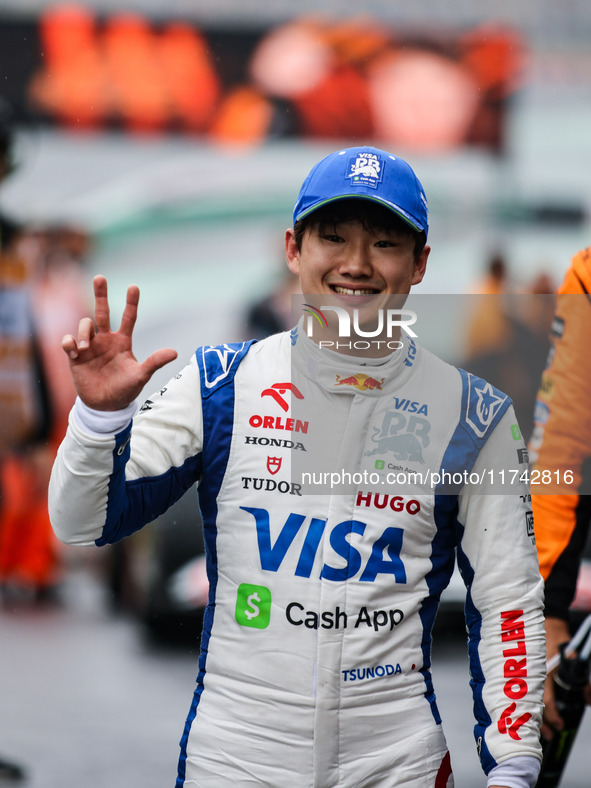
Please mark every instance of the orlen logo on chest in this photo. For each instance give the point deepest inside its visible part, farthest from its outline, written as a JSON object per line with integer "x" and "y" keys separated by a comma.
{"x": 277, "y": 392}
{"x": 278, "y": 423}
{"x": 348, "y": 562}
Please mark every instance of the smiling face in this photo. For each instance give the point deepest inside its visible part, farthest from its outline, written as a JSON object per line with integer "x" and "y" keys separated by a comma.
{"x": 354, "y": 251}
{"x": 358, "y": 256}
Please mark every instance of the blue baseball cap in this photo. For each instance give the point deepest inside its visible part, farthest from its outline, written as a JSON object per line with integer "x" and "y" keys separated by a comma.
{"x": 369, "y": 174}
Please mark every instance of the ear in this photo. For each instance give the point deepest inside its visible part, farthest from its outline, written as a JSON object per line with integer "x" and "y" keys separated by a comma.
{"x": 421, "y": 266}
{"x": 292, "y": 254}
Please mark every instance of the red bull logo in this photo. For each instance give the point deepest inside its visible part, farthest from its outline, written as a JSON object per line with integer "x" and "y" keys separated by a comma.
{"x": 360, "y": 382}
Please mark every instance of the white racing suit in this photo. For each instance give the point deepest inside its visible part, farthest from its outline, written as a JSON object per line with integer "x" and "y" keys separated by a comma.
{"x": 315, "y": 655}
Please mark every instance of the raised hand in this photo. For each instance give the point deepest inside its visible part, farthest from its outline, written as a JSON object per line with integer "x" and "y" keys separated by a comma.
{"x": 106, "y": 374}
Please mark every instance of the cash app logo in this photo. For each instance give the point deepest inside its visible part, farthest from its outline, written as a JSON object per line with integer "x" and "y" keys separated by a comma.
{"x": 515, "y": 432}
{"x": 253, "y": 606}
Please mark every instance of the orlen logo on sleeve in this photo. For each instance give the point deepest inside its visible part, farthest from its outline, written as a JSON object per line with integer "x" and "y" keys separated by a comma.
{"x": 515, "y": 672}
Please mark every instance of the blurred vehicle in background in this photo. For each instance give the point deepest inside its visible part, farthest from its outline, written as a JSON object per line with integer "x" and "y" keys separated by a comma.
{"x": 159, "y": 575}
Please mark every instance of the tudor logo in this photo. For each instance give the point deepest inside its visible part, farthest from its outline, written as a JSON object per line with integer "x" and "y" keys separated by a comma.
{"x": 273, "y": 464}
{"x": 277, "y": 389}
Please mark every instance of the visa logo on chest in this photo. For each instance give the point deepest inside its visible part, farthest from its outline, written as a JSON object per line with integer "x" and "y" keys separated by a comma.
{"x": 400, "y": 403}
{"x": 272, "y": 554}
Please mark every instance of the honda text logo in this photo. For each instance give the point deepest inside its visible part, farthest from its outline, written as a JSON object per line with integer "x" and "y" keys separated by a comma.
{"x": 384, "y": 332}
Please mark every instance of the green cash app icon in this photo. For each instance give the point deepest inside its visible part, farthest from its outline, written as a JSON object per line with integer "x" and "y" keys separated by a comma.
{"x": 253, "y": 606}
{"x": 380, "y": 465}
{"x": 515, "y": 432}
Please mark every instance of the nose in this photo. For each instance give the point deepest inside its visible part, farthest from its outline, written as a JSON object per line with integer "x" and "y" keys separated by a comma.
{"x": 356, "y": 260}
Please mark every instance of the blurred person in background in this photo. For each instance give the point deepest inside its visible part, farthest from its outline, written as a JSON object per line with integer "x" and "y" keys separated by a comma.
{"x": 23, "y": 415}
{"x": 487, "y": 329}
{"x": 561, "y": 441}
{"x": 30, "y": 556}
{"x": 298, "y": 683}
{"x": 272, "y": 313}
{"x": 507, "y": 332}
{"x": 43, "y": 288}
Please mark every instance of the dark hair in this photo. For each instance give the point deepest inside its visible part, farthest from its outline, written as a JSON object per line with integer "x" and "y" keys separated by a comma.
{"x": 371, "y": 215}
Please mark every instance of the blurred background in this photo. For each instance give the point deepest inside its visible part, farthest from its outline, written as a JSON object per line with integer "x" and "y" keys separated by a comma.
{"x": 164, "y": 145}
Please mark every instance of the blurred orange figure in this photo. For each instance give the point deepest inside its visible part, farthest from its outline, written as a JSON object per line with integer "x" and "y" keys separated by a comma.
{"x": 72, "y": 83}
{"x": 29, "y": 557}
{"x": 488, "y": 330}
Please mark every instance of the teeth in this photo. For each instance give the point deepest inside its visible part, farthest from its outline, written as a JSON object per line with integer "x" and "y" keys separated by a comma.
{"x": 350, "y": 291}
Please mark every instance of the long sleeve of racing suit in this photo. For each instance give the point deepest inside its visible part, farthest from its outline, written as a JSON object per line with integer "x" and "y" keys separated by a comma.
{"x": 560, "y": 446}
{"x": 101, "y": 442}
{"x": 503, "y": 607}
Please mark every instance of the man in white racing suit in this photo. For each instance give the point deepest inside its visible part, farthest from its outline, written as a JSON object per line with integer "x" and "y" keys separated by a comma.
{"x": 315, "y": 656}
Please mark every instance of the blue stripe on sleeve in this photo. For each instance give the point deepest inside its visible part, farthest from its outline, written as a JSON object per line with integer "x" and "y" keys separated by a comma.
{"x": 130, "y": 505}
{"x": 217, "y": 368}
{"x": 442, "y": 560}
